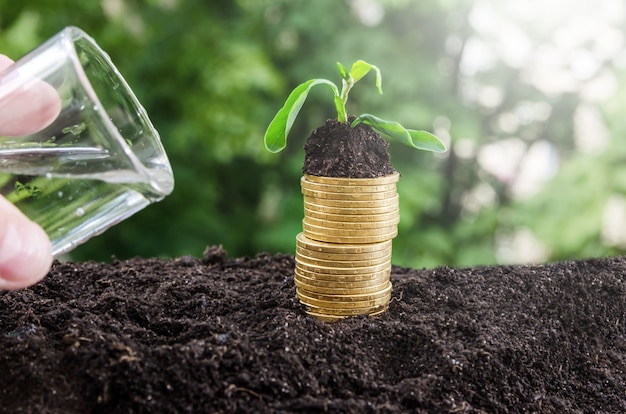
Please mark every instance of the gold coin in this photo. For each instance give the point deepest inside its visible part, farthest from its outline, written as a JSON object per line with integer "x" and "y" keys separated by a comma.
{"x": 333, "y": 315}
{"x": 344, "y": 313}
{"x": 350, "y": 239}
{"x": 323, "y": 306}
{"x": 360, "y": 280}
{"x": 349, "y": 210}
{"x": 337, "y": 304}
{"x": 310, "y": 185}
{"x": 355, "y": 238}
{"x": 342, "y": 263}
{"x": 316, "y": 273}
{"x": 384, "y": 195}
{"x": 375, "y": 280}
{"x": 305, "y": 242}
{"x": 329, "y": 286}
{"x": 361, "y": 236}
{"x": 338, "y": 251}
{"x": 387, "y": 202}
{"x": 349, "y": 298}
{"x": 350, "y": 225}
{"x": 342, "y": 278}
{"x": 392, "y": 178}
{"x": 340, "y": 290}
{"x": 362, "y": 218}
{"x": 307, "y": 261}
{"x": 342, "y": 257}
{"x": 317, "y": 284}
{"x": 347, "y": 232}
{"x": 331, "y": 270}
{"x": 343, "y": 289}
{"x": 354, "y": 308}
{"x": 329, "y": 316}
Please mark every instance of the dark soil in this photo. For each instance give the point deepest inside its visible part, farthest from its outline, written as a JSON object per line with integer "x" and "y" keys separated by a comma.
{"x": 337, "y": 150}
{"x": 215, "y": 334}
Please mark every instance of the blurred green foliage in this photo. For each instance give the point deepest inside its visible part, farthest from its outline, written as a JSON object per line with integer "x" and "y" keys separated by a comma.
{"x": 212, "y": 73}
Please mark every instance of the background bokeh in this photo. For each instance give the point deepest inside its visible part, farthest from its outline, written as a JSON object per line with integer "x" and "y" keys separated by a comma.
{"x": 530, "y": 97}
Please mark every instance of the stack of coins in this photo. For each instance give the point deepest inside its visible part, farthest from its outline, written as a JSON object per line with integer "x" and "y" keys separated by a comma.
{"x": 343, "y": 255}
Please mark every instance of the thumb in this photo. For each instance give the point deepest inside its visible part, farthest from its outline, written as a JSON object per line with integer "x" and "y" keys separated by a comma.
{"x": 25, "y": 250}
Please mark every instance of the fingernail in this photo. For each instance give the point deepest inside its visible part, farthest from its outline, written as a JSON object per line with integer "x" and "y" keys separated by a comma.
{"x": 25, "y": 254}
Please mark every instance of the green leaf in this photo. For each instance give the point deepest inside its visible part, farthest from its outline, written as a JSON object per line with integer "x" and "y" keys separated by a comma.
{"x": 345, "y": 75}
{"x": 361, "y": 68}
{"x": 395, "y": 132}
{"x": 389, "y": 129}
{"x": 276, "y": 134}
{"x": 426, "y": 141}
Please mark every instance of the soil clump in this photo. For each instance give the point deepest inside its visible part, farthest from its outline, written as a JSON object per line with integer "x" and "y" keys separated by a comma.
{"x": 337, "y": 150}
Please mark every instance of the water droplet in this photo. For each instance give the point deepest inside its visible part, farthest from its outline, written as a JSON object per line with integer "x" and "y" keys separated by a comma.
{"x": 80, "y": 212}
{"x": 48, "y": 176}
{"x": 60, "y": 194}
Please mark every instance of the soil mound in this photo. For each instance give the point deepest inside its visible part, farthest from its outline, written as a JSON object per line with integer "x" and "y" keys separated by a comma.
{"x": 337, "y": 150}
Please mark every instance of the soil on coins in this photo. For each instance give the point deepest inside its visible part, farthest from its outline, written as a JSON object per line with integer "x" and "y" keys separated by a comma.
{"x": 337, "y": 150}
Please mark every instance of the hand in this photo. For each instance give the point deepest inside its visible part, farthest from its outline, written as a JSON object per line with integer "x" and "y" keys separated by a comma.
{"x": 25, "y": 251}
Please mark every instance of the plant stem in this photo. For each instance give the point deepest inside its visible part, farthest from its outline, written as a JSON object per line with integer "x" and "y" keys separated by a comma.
{"x": 345, "y": 90}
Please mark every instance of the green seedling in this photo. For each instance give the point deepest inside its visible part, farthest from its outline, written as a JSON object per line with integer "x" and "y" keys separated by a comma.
{"x": 276, "y": 134}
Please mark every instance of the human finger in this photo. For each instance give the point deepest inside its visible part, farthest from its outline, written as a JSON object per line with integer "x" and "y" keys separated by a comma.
{"x": 25, "y": 106}
{"x": 25, "y": 250}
